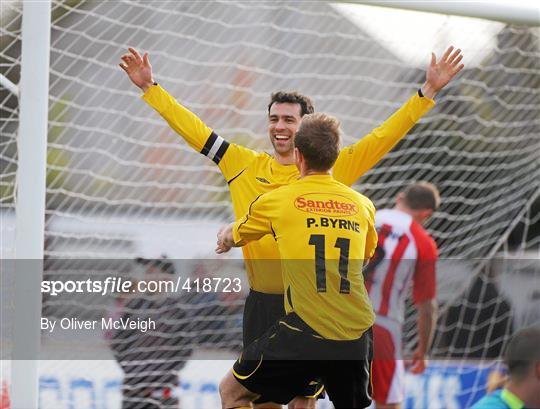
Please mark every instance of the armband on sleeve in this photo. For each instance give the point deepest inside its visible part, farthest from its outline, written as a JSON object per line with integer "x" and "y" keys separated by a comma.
{"x": 215, "y": 148}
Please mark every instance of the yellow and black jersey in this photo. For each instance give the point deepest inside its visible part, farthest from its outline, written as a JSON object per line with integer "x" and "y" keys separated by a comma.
{"x": 250, "y": 174}
{"x": 324, "y": 231}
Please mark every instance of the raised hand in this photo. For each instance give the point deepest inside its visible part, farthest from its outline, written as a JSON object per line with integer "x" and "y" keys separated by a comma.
{"x": 440, "y": 73}
{"x": 138, "y": 69}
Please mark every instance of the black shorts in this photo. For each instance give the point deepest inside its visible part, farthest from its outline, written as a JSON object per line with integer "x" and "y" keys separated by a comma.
{"x": 261, "y": 311}
{"x": 283, "y": 362}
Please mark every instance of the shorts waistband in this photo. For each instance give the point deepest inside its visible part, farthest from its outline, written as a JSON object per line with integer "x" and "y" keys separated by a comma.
{"x": 268, "y": 296}
{"x": 293, "y": 320}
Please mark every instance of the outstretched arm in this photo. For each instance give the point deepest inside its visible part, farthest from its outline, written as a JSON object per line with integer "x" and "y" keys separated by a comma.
{"x": 190, "y": 127}
{"x": 230, "y": 158}
{"x": 357, "y": 159}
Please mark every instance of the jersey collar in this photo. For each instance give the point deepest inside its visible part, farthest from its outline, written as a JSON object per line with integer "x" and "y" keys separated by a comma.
{"x": 318, "y": 177}
{"x": 283, "y": 169}
{"x": 511, "y": 400}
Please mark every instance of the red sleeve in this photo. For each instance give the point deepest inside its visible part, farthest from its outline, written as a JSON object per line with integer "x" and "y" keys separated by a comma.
{"x": 424, "y": 279}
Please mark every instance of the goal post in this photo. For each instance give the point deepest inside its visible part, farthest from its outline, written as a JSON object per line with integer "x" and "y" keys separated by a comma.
{"x": 30, "y": 201}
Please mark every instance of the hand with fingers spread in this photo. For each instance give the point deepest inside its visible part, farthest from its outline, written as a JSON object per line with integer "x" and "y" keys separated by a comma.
{"x": 440, "y": 73}
{"x": 138, "y": 69}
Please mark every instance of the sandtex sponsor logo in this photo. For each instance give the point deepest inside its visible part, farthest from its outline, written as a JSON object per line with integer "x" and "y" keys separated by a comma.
{"x": 326, "y": 204}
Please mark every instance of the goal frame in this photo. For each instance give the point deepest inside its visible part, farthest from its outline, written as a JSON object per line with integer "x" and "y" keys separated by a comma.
{"x": 504, "y": 13}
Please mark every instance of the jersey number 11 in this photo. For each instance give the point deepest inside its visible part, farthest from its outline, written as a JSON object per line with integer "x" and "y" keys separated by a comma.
{"x": 343, "y": 244}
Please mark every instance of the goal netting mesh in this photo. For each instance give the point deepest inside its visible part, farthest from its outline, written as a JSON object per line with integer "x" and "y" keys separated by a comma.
{"x": 121, "y": 184}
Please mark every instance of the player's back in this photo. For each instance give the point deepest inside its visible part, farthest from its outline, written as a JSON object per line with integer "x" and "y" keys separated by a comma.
{"x": 324, "y": 230}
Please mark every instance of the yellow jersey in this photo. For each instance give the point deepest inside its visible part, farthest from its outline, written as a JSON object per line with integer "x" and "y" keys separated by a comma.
{"x": 250, "y": 174}
{"x": 324, "y": 231}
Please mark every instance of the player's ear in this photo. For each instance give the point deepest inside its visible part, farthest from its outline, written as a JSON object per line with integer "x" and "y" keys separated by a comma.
{"x": 399, "y": 197}
{"x": 426, "y": 214}
{"x": 297, "y": 155}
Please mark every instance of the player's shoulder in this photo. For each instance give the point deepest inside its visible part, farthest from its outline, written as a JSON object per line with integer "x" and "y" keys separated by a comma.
{"x": 419, "y": 232}
{"x": 253, "y": 154}
{"x": 395, "y": 217}
{"x": 362, "y": 199}
{"x": 422, "y": 238}
{"x": 492, "y": 401}
{"x": 279, "y": 193}
{"x": 262, "y": 157}
{"x": 348, "y": 191}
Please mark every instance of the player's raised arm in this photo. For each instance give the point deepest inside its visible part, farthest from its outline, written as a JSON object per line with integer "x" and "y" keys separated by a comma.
{"x": 184, "y": 122}
{"x": 357, "y": 159}
{"x": 194, "y": 131}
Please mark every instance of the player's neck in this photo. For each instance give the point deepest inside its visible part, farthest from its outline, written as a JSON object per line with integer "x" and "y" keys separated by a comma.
{"x": 521, "y": 391}
{"x": 403, "y": 209}
{"x": 284, "y": 159}
{"x": 410, "y": 212}
{"x": 309, "y": 172}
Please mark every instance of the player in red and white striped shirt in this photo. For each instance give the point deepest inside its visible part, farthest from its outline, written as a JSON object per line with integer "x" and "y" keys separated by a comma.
{"x": 405, "y": 253}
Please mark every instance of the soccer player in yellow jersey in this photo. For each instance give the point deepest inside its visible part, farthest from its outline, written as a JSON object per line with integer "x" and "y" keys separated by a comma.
{"x": 324, "y": 231}
{"x": 249, "y": 173}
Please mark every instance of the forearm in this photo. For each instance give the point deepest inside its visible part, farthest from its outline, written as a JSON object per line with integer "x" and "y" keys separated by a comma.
{"x": 401, "y": 121}
{"x": 184, "y": 122}
{"x": 427, "y": 318}
{"x": 428, "y": 90}
{"x": 357, "y": 159}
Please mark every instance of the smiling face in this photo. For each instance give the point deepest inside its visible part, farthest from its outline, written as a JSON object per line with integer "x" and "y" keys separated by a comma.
{"x": 283, "y": 121}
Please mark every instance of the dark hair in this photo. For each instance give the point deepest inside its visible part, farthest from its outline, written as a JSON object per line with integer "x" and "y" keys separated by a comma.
{"x": 292, "y": 97}
{"x": 523, "y": 351}
{"x": 422, "y": 195}
{"x": 318, "y": 139}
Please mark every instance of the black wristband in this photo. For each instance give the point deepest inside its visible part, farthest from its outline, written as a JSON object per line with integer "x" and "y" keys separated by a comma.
{"x": 420, "y": 94}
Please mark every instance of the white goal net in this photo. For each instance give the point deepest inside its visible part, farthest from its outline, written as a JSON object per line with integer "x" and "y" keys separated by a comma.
{"x": 121, "y": 184}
